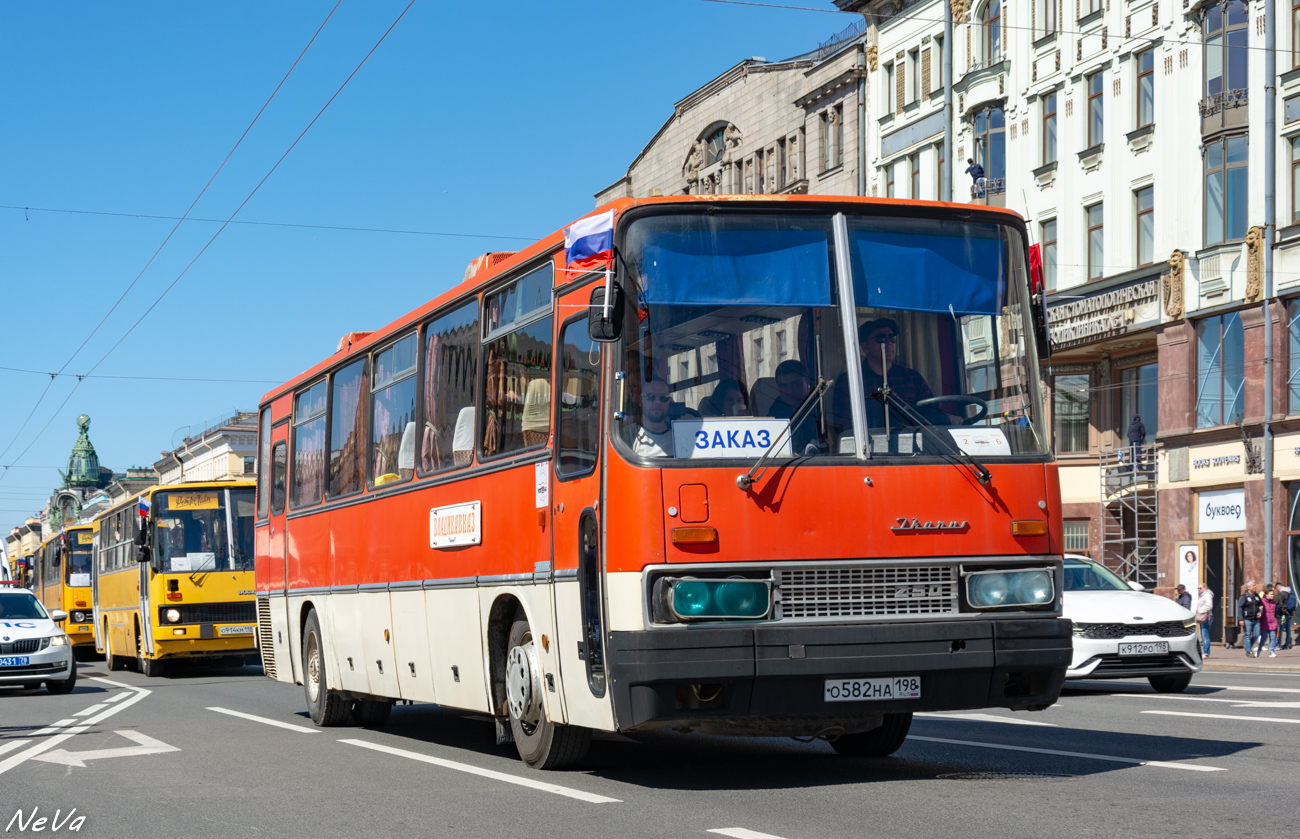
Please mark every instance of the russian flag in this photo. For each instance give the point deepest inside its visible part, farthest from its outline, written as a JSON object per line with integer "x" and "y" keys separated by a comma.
{"x": 589, "y": 242}
{"x": 144, "y": 506}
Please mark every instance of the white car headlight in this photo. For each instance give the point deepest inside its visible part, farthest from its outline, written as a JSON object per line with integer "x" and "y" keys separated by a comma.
{"x": 58, "y": 641}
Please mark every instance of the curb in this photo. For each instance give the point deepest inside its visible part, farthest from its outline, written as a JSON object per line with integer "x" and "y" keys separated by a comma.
{"x": 1224, "y": 667}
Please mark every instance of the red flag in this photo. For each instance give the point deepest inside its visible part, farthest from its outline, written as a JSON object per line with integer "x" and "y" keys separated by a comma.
{"x": 1035, "y": 269}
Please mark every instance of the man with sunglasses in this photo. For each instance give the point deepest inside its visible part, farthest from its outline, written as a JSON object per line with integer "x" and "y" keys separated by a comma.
{"x": 654, "y": 436}
{"x": 878, "y": 342}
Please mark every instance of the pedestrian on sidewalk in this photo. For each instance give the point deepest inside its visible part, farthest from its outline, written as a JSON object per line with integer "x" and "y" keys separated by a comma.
{"x": 1268, "y": 622}
{"x": 1184, "y": 597}
{"x": 1249, "y": 607}
{"x": 1286, "y": 605}
{"x": 1205, "y": 617}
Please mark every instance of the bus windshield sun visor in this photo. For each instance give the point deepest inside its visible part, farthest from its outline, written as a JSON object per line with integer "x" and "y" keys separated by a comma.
{"x": 708, "y": 265}
{"x": 955, "y": 269}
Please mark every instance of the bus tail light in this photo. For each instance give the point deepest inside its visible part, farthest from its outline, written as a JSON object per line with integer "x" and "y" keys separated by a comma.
{"x": 733, "y": 598}
{"x": 1028, "y": 528}
{"x": 695, "y": 535}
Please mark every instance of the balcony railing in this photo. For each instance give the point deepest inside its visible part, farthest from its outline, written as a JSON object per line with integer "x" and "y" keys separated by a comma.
{"x": 1212, "y": 105}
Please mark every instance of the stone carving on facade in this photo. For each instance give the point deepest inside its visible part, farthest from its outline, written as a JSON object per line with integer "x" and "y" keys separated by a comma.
{"x": 873, "y": 58}
{"x": 960, "y": 9}
{"x": 1254, "y": 264}
{"x": 694, "y": 162}
{"x": 1173, "y": 285}
{"x": 731, "y": 138}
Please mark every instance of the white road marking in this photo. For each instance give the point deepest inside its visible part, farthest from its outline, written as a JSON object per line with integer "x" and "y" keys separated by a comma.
{"x": 53, "y": 728}
{"x": 92, "y": 709}
{"x": 117, "y": 696}
{"x": 1236, "y": 703}
{"x": 1101, "y": 684}
{"x": 301, "y": 729}
{"x": 1239, "y": 687}
{"x": 1192, "y": 767}
{"x": 113, "y": 683}
{"x": 532, "y": 783}
{"x": 45, "y": 746}
{"x": 742, "y": 833}
{"x": 10, "y": 746}
{"x": 146, "y": 746}
{"x": 1222, "y": 717}
{"x": 983, "y": 718}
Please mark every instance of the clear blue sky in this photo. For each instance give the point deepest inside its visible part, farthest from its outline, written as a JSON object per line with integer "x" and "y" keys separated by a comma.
{"x": 498, "y": 118}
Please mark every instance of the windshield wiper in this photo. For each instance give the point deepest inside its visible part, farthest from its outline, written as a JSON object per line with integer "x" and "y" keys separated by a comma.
{"x": 747, "y": 480}
{"x": 887, "y": 396}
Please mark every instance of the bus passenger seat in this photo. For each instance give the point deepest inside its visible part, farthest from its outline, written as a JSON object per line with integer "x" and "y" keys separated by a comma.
{"x": 462, "y": 441}
{"x": 762, "y": 395}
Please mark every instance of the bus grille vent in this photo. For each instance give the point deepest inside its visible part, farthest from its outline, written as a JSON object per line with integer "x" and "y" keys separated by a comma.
{"x": 265, "y": 637}
{"x": 867, "y": 591}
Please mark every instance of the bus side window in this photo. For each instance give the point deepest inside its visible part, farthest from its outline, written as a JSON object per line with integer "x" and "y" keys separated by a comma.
{"x": 278, "y": 461}
{"x": 578, "y": 432}
{"x": 517, "y": 372}
{"x": 451, "y": 345}
{"x": 349, "y": 395}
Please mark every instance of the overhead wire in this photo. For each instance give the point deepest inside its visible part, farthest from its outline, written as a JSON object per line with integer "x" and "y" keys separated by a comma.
{"x": 179, "y": 222}
{"x": 213, "y": 238}
{"x": 140, "y": 378}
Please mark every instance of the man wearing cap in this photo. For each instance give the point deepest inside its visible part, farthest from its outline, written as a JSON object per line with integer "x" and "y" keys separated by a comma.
{"x": 1137, "y": 437}
{"x": 878, "y": 343}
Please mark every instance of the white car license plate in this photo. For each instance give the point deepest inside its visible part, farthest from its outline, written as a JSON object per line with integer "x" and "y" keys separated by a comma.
{"x": 14, "y": 661}
{"x": 235, "y": 630}
{"x": 858, "y": 690}
{"x": 1145, "y": 648}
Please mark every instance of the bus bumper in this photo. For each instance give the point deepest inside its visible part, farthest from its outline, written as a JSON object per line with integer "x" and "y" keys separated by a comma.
{"x": 770, "y": 680}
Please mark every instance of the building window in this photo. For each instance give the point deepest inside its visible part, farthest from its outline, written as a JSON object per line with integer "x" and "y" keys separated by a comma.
{"x": 1070, "y": 399}
{"x": 1096, "y": 112}
{"x": 1146, "y": 225}
{"x": 717, "y": 146}
{"x": 913, "y": 76}
{"x": 782, "y": 345}
{"x": 1146, "y": 79}
{"x": 1295, "y": 38}
{"x": 1076, "y": 537}
{"x": 1139, "y": 396}
{"x": 1293, "y": 532}
{"x": 1226, "y": 188}
{"x": 938, "y": 171}
{"x": 889, "y": 181}
{"x": 1049, "y": 128}
{"x": 991, "y": 147}
{"x": 1096, "y": 251}
{"x": 991, "y": 22}
{"x": 888, "y": 96}
{"x": 250, "y": 465}
{"x": 936, "y": 74}
{"x": 1090, "y": 7}
{"x": 1295, "y": 179}
{"x": 783, "y": 164}
{"x": 1226, "y": 53}
{"x": 1045, "y": 11}
{"x": 1293, "y": 355}
{"x": 915, "y": 161}
{"x": 832, "y": 124}
{"x": 1049, "y": 254}
{"x": 1220, "y": 370}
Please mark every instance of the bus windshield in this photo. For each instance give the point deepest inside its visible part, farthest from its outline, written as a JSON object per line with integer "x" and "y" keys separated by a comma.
{"x": 194, "y": 530}
{"x": 733, "y": 319}
{"x": 77, "y": 566}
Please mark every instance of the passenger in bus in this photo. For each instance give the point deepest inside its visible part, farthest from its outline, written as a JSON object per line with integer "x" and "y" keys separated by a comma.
{"x": 653, "y": 437}
{"x": 792, "y": 387}
{"x": 727, "y": 400}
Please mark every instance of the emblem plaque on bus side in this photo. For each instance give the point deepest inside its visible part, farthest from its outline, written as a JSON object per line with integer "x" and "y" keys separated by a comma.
{"x": 456, "y": 525}
{"x": 906, "y": 525}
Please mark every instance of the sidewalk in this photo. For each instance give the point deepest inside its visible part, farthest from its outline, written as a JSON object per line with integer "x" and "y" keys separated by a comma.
{"x": 1287, "y": 661}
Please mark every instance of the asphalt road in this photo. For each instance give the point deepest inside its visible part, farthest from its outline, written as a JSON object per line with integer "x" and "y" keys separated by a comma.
{"x": 1111, "y": 759}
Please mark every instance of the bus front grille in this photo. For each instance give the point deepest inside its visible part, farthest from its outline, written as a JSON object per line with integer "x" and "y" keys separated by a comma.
{"x": 265, "y": 638}
{"x": 867, "y": 591}
{"x": 210, "y": 613}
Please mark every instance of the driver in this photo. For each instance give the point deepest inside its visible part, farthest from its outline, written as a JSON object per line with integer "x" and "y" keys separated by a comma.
{"x": 878, "y": 343}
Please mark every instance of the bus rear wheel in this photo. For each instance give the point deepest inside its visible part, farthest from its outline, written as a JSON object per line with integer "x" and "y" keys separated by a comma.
{"x": 541, "y": 743}
{"x": 326, "y": 708}
{"x": 878, "y": 742}
{"x": 371, "y": 713}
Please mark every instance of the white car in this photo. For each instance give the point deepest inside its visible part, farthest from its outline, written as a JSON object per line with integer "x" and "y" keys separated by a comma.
{"x": 1122, "y": 631}
{"x": 32, "y": 647}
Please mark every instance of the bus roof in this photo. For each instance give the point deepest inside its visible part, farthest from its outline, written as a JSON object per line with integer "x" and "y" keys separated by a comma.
{"x": 149, "y": 492}
{"x": 495, "y": 269}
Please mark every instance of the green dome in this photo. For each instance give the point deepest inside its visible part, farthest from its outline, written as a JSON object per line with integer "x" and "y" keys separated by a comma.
{"x": 83, "y": 464}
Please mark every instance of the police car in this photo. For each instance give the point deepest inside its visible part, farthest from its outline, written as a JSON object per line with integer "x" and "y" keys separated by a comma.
{"x": 32, "y": 647}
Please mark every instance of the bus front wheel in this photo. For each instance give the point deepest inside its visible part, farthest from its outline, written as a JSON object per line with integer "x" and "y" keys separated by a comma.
{"x": 152, "y": 667}
{"x": 114, "y": 661}
{"x": 541, "y": 743}
{"x": 326, "y": 708}
{"x": 878, "y": 742}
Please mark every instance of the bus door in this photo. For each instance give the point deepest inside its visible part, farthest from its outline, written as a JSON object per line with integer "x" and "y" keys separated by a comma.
{"x": 576, "y": 511}
{"x": 277, "y": 569}
{"x": 137, "y": 527}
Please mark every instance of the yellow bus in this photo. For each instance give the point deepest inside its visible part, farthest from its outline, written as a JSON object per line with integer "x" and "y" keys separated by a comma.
{"x": 61, "y": 580}
{"x": 173, "y": 576}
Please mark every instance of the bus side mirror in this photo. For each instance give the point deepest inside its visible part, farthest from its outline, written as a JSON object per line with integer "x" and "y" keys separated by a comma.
{"x": 142, "y": 553}
{"x": 1042, "y": 337}
{"x": 605, "y": 323}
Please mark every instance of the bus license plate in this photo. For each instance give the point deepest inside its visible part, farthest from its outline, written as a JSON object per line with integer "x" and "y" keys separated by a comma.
{"x": 235, "y": 630}
{"x": 1147, "y": 648}
{"x": 858, "y": 690}
{"x": 14, "y": 661}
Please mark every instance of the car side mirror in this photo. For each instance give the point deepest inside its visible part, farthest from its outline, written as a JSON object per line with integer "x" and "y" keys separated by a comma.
{"x": 1136, "y": 586}
{"x": 58, "y": 615}
{"x": 605, "y": 323}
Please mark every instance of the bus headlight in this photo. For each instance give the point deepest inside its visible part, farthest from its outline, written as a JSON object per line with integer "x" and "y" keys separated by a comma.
{"x": 735, "y": 598}
{"x": 79, "y": 617}
{"x": 173, "y": 615}
{"x": 1002, "y": 588}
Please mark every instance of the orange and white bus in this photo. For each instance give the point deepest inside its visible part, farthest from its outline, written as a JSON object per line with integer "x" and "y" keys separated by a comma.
{"x": 793, "y": 478}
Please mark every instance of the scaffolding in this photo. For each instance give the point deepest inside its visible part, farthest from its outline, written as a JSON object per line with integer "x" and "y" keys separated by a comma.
{"x": 1130, "y": 528}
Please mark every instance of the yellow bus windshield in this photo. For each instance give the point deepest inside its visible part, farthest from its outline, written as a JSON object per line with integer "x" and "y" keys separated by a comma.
{"x": 203, "y": 530}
